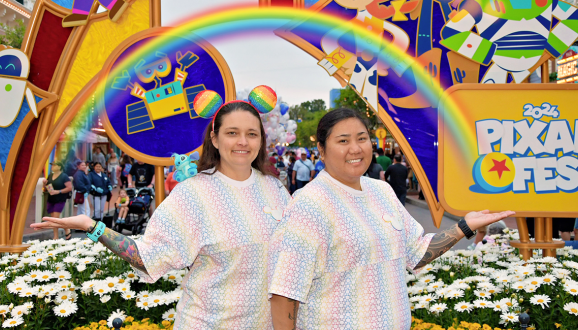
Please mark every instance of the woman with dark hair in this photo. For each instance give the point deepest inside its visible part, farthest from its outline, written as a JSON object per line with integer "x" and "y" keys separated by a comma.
{"x": 292, "y": 187}
{"x": 337, "y": 260}
{"x": 217, "y": 223}
{"x": 58, "y": 186}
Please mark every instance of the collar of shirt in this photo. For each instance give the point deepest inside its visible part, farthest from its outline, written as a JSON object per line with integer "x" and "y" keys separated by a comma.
{"x": 347, "y": 189}
{"x": 235, "y": 183}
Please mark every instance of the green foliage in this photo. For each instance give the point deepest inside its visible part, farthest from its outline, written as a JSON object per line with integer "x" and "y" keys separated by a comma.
{"x": 553, "y": 76}
{"x": 314, "y": 106}
{"x": 307, "y": 129}
{"x": 350, "y": 99}
{"x": 14, "y": 35}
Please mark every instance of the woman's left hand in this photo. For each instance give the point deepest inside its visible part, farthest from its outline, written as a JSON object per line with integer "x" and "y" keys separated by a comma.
{"x": 54, "y": 192}
{"x": 483, "y": 218}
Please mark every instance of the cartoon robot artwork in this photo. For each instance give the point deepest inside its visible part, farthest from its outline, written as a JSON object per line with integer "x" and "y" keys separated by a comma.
{"x": 363, "y": 64}
{"x": 512, "y": 34}
{"x": 81, "y": 11}
{"x": 164, "y": 100}
{"x": 14, "y": 85}
{"x": 185, "y": 166}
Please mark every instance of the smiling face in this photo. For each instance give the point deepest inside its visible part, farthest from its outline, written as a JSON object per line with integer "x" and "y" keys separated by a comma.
{"x": 238, "y": 140}
{"x": 98, "y": 168}
{"x": 347, "y": 152}
{"x": 82, "y": 167}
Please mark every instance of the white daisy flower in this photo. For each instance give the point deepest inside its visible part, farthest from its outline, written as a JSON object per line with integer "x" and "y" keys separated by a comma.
{"x": 86, "y": 261}
{"x": 104, "y": 299}
{"x": 65, "y": 309}
{"x": 81, "y": 267}
{"x": 12, "y": 322}
{"x": 65, "y": 296}
{"x": 508, "y": 318}
{"x": 428, "y": 299}
{"x": 571, "y": 308}
{"x": 171, "y": 313}
{"x": 70, "y": 260}
{"x": 101, "y": 289}
{"x": 455, "y": 293}
{"x": 4, "y": 309}
{"x": 28, "y": 292}
{"x": 16, "y": 287}
{"x": 19, "y": 311}
{"x": 482, "y": 294}
{"x": 481, "y": 303}
{"x": 463, "y": 307}
{"x": 115, "y": 315}
{"x": 530, "y": 288}
{"x": 62, "y": 275}
{"x": 128, "y": 295}
{"x": 143, "y": 304}
{"x": 571, "y": 288}
{"x": 438, "y": 308}
{"x": 540, "y": 299}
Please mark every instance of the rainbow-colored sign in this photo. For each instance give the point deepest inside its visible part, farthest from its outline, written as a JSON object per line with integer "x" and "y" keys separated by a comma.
{"x": 524, "y": 155}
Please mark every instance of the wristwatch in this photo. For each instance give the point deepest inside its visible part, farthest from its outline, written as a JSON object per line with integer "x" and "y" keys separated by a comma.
{"x": 463, "y": 225}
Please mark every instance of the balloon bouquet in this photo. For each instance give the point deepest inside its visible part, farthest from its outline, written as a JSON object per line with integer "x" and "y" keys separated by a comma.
{"x": 279, "y": 128}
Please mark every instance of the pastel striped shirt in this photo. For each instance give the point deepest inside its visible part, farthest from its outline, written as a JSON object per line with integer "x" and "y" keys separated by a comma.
{"x": 220, "y": 228}
{"x": 343, "y": 253}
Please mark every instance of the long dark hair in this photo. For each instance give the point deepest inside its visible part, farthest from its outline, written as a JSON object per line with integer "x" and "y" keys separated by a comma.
{"x": 210, "y": 157}
{"x": 125, "y": 160}
{"x": 331, "y": 119}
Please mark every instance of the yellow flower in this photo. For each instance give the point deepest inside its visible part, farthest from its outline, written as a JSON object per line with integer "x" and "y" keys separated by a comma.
{"x": 557, "y": 325}
{"x": 128, "y": 319}
{"x": 102, "y": 322}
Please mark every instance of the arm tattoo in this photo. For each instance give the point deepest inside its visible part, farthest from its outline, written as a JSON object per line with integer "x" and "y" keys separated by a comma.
{"x": 123, "y": 247}
{"x": 294, "y": 316}
{"x": 440, "y": 244}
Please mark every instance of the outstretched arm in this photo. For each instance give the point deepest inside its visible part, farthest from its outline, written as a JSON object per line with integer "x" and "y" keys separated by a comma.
{"x": 119, "y": 244}
{"x": 442, "y": 242}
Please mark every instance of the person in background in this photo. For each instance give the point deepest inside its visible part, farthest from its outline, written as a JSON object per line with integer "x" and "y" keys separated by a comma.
{"x": 382, "y": 159}
{"x": 122, "y": 203}
{"x": 144, "y": 175}
{"x": 396, "y": 175}
{"x": 170, "y": 183}
{"x": 374, "y": 170}
{"x": 82, "y": 184}
{"x": 280, "y": 165}
{"x": 58, "y": 186}
{"x": 303, "y": 172}
{"x": 125, "y": 167}
{"x": 100, "y": 185}
{"x": 113, "y": 166}
{"x": 98, "y": 156}
{"x": 71, "y": 163}
{"x": 319, "y": 166}
{"x": 292, "y": 186}
{"x": 271, "y": 167}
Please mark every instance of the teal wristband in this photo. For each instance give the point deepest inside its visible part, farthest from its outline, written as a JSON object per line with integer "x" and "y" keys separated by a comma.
{"x": 97, "y": 232}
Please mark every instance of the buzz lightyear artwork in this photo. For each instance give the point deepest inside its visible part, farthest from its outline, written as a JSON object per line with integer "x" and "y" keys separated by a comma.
{"x": 362, "y": 65}
{"x": 511, "y": 35}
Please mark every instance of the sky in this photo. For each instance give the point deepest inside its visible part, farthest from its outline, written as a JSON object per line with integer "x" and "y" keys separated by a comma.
{"x": 260, "y": 60}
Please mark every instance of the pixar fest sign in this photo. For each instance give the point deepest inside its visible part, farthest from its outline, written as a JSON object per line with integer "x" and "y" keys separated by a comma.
{"x": 510, "y": 147}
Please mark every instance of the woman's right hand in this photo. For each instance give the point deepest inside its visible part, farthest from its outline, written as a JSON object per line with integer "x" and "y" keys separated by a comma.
{"x": 44, "y": 181}
{"x": 80, "y": 222}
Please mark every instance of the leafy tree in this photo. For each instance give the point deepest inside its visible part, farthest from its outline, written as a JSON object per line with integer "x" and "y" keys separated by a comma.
{"x": 307, "y": 129}
{"x": 315, "y": 105}
{"x": 348, "y": 98}
{"x": 14, "y": 35}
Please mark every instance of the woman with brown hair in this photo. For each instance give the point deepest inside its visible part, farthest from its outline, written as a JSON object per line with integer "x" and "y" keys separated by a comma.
{"x": 123, "y": 173}
{"x": 217, "y": 223}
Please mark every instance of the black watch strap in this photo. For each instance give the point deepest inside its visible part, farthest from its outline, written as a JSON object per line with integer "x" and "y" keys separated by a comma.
{"x": 463, "y": 225}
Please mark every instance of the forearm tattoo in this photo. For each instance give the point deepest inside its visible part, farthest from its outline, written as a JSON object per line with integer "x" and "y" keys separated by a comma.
{"x": 440, "y": 244}
{"x": 293, "y": 317}
{"x": 123, "y": 247}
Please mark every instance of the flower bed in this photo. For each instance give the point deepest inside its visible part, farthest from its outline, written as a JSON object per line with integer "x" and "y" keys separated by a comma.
{"x": 67, "y": 284}
{"x": 77, "y": 283}
{"x": 492, "y": 286}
